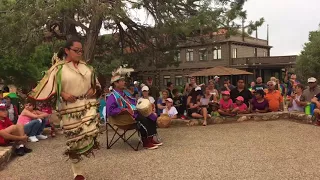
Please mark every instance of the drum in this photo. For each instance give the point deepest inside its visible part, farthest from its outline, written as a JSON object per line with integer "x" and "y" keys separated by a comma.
{"x": 144, "y": 107}
{"x": 164, "y": 121}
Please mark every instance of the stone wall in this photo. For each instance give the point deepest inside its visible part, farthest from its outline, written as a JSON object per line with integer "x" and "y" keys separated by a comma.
{"x": 272, "y": 116}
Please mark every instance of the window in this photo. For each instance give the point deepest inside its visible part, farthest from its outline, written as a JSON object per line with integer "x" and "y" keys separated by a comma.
{"x": 234, "y": 53}
{"x": 265, "y": 54}
{"x": 189, "y": 55}
{"x": 203, "y": 54}
{"x": 178, "y": 81}
{"x": 217, "y": 52}
{"x": 255, "y": 52}
{"x": 177, "y": 56}
{"x": 166, "y": 79}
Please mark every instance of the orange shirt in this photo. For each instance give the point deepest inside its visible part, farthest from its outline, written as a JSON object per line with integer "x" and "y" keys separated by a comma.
{"x": 274, "y": 98}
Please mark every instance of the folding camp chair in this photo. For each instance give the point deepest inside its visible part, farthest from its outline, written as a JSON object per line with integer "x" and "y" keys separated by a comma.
{"x": 122, "y": 135}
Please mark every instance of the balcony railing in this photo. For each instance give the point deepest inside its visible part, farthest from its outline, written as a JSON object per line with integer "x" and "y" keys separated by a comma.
{"x": 273, "y": 60}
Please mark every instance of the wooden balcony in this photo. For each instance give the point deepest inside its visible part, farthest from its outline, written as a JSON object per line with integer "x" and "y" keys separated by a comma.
{"x": 272, "y": 60}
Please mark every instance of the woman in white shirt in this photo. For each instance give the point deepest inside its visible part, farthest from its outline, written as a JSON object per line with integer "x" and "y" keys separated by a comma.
{"x": 295, "y": 104}
{"x": 145, "y": 95}
{"x": 170, "y": 109}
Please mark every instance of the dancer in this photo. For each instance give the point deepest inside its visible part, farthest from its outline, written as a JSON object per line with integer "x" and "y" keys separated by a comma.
{"x": 74, "y": 81}
{"x": 121, "y": 110}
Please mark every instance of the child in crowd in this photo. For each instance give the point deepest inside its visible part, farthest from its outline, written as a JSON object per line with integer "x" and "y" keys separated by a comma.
{"x": 178, "y": 103}
{"x": 46, "y": 108}
{"x": 225, "y": 104}
{"x": 239, "y": 107}
{"x": 170, "y": 109}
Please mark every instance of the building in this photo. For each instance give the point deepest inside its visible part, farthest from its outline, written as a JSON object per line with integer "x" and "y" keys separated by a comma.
{"x": 246, "y": 53}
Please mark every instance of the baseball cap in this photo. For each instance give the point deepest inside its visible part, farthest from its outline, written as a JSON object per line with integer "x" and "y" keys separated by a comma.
{"x": 312, "y": 80}
{"x": 135, "y": 82}
{"x": 145, "y": 88}
{"x": 197, "y": 88}
{"x": 216, "y": 77}
{"x": 225, "y": 93}
{"x": 240, "y": 98}
{"x": 169, "y": 100}
{"x": 3, "y": 106}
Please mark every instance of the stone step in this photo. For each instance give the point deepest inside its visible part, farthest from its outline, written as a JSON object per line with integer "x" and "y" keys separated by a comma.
{"x": 5, "y": 155}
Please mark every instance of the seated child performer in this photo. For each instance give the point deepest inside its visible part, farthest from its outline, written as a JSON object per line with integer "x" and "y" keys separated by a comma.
{"x": 239, "y": 107}
{"x": 170, "y": 109}
{"x": 178, "y": 103}
{"x": 12, "y": 133}
{"x": 225, "y": 104}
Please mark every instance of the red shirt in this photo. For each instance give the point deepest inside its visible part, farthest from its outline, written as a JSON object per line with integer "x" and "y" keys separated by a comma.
{"x": 4, "y": 123}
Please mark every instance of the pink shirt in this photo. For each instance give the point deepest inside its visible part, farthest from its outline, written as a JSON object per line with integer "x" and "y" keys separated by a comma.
{"x": 225, "y": 105}
{"x": 242, "y": 107}
{"x": 23, "y": 119}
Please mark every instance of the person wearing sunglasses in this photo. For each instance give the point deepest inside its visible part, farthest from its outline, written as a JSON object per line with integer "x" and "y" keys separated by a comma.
{"x": 274, "y": 97}
{"x": 74, "y": 84}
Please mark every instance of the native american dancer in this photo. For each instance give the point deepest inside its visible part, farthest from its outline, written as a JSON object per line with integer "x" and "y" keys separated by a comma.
{"x": 74, "y": 84}
{"x": 122, "y": 111}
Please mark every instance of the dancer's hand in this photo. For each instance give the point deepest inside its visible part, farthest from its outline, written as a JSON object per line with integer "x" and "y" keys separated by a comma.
{"x": 90, "y": 93}
{"x": 68, "y": 97}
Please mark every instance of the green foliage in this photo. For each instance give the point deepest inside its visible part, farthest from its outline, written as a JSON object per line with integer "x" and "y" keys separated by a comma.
{"x": 308, "y": 63}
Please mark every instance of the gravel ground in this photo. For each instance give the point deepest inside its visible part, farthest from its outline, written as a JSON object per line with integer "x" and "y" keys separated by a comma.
{"x": 250, "y": 150}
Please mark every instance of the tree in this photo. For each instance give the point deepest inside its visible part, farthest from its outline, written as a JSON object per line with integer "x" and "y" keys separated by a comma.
{"x": 308, "y": 63}
{"x": 33, "y": 21}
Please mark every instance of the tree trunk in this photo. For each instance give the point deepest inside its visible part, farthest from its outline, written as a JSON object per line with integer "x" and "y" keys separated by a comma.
{"x": 92, "y": 37}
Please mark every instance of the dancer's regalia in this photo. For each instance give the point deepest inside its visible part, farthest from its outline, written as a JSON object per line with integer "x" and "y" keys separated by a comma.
{"x": 79, "y": 119}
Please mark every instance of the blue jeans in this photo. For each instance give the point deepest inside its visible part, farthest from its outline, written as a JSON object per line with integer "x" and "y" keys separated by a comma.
{"x": 35, "y": 127}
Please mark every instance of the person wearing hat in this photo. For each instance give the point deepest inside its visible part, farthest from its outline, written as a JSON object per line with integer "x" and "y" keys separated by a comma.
{"x": 225, "y": 104}
{"x": 122, "y": 111}
{"x": 216, "y": 83}
{"x": 12, "y": 133}
{"x": 145, "y": 95}
{"x": 311, "y": 91}
{"x": 239, "y": 107}
{"x": 170, "y": 109}
{"x": 195, "y": 108}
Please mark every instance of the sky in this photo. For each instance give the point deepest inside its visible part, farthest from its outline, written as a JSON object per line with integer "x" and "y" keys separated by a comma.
{"x": 290, "y": 22}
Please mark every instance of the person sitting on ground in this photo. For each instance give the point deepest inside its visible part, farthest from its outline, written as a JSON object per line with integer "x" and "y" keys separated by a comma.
{"x": 274, "y": 97}
{"x": 295, "y": 104}
{"x": 225, "y": 104}
{"x": 34, "y": 122}
{"x": 178, "y": 103}
{"x": 196, "y": 109}
{"x": 10, "y": 132}
{"x": 170, "y": 109}
{"x": 239, "y": 107}
{"x": 214, "y": 92}
{"x": 145, "y": 95}
{"x": 259, "y": 104}
{"x": 161, "y": 103}
{"x": 12, "y": 110}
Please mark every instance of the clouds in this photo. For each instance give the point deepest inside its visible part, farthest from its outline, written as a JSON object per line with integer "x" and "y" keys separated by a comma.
{"x": 290, "y": 22}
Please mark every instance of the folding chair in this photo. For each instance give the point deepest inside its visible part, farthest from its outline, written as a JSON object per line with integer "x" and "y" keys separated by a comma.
{"x": 122, "y": 135}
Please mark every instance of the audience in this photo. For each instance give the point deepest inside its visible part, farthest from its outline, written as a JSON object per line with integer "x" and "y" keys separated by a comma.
{"x": 170, "y": 109}
{"x": 34, "y": 122}
{"x": 179, "y": 103}
{"x": 169, "y": 89}
{"x": 274, "y": 97}
{"x": 161, "y": 103}
{"x": 227, "y": 86}
{"x": 240, "y": 90}
{"x": 295, "y": 104}
{"x": 213, "y": 91}
{"x": 239, "y": 107}
{"x": 225, "y": 104}
{"x": 259, "y": 85}
{"x": 291, "y": 83}
{"x": 12, "y": 133}
{"x": 252, "y": 84}
{"x": 316, "y": 111}
{"x": 259, "y": 104}
{"x": 216, "y": 83}
{"x": 196, "y": 109}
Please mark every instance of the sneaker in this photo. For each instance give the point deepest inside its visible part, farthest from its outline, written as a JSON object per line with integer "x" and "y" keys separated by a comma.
{"x": 33, "y": 139}
{"x": 147, "y": 144}
{"x": 41, "y": 137}
{"x": 26, "y": 150}
{"x": 20, "y": 151}
{"x": 156, "y": 142}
